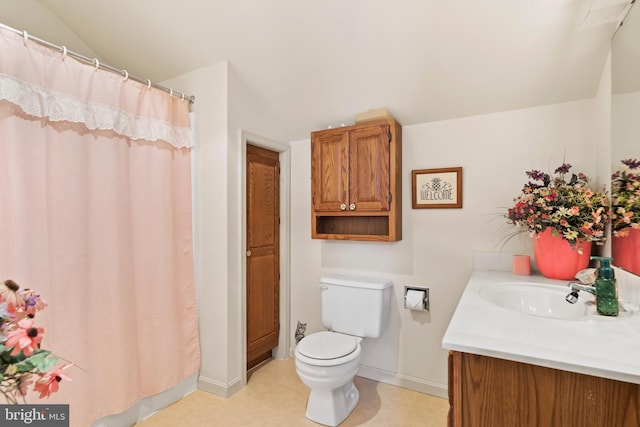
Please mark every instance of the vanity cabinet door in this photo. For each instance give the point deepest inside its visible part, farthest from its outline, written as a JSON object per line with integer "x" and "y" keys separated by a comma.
{"x": 329, "y": 171}
{"x": 486, "y": 391}
{"x": 369, "y": 168}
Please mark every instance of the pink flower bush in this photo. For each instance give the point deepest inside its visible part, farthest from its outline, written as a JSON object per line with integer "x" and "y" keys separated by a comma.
{"x": 570, "y": 208}
{"x": 625, "y": 198}
{"x": 22, "y": 361}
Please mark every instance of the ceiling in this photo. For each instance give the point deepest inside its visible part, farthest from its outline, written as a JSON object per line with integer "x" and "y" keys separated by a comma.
{"x": 318, "y": 63}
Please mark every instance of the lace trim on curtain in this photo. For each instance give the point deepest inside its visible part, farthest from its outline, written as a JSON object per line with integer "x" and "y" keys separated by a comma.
{"x": 57, "y": 107}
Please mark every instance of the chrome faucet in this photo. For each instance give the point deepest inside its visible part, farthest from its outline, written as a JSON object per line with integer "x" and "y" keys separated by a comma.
{"x": 576, "y": 287}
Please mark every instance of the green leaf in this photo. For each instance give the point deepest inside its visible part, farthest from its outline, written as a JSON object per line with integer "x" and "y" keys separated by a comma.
{"x": 42, "y": 360}
{"x": 24, "y": 366}
{"x": 574, "y": 179}
{"x": 5, "y": 355}
{"x": 3, "y": 350}
{"x": 39, "y": 361}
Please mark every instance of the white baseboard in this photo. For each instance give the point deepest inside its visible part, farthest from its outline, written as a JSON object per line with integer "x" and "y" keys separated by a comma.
{"x": 218, "y": 388}
{"x": 404, "y": 381}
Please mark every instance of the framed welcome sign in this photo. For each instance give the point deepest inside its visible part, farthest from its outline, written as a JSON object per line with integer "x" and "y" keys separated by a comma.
{"x": 437, "y": 188}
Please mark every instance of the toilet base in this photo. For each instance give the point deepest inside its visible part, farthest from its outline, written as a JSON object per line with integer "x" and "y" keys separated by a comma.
{"x": 331, "y": 407}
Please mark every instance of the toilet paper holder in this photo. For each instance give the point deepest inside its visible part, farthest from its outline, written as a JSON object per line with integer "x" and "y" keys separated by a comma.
{"x": 416, "y": 298}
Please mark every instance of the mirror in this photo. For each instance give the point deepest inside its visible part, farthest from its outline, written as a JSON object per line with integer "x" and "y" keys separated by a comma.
{"x": 625, "y": 125}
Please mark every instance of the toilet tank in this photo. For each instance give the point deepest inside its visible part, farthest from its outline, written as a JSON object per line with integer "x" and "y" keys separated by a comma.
{"x": 355, "y": 305}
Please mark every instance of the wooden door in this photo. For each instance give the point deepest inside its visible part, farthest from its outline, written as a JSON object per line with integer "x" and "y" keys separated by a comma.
{"x": 369, "y": 168}
{"x": 263, "y": 247}
{"x": 329, "y": 167}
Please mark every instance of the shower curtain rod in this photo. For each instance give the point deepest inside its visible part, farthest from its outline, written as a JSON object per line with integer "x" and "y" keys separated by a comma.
{"x": 95, "y": 62}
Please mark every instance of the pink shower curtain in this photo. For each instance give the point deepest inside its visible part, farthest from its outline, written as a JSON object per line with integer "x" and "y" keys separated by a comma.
{"x": 95, "y": 214}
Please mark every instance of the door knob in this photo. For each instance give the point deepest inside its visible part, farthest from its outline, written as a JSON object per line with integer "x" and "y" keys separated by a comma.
{"x": 352, "y": 206}
{"x": 343, "y": 207}
{"x": 248, "y": 253}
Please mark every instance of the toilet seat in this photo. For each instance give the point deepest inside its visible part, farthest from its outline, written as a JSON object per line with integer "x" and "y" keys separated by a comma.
{"x": 328, "y": 348}
{"x": 327, "y": 345}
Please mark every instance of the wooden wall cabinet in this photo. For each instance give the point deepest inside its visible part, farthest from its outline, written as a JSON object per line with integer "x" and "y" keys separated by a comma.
{"x": 356, "y": 182}
{"x": 486, "y": 391}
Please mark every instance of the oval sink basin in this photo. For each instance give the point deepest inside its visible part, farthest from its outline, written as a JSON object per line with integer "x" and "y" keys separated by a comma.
{"x": 539, "y": 300}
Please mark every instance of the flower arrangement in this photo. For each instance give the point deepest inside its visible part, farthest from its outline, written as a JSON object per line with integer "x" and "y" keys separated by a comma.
{"x": 22, "y": 361}
{"x": 570, "y": 208}
{"x": 625, "y": 198}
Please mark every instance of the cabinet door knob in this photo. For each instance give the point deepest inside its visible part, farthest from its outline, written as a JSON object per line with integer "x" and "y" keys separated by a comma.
{"x": 343, "y": 207}
{"x": 248, "y": 253}
{"x": 352, "y": 206}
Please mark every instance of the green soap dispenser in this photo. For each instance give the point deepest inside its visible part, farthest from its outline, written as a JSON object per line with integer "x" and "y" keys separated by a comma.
{"x": 606, "y": 289}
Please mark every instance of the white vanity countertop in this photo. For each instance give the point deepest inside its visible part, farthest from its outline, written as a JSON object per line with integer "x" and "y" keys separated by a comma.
{"x": 607, "y": 347}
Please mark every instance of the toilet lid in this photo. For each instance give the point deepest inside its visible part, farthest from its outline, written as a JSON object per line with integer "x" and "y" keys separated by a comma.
{"x": 327, "y": 345}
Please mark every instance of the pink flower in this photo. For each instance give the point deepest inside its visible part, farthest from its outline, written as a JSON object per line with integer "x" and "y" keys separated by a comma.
{"x": 49, "y": 382}
{"x": 26, "y": 338}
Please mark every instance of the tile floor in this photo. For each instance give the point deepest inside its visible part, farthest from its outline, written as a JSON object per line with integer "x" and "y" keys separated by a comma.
{"x": 275, "y": 397}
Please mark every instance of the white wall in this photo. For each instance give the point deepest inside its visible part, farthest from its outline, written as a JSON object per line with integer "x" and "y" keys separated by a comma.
{"x": 603, "y": 105}
{"x": 37, "y": 20}
{"x": 210, "y": 86}
{"x": 625, "y": 128}
{"x": 602, "y": 158}
{"x": 625, "y": 114}
{"x": 495, "y": 151}
{"x": 250, "y": 121}
{"x": 227, "y": 111}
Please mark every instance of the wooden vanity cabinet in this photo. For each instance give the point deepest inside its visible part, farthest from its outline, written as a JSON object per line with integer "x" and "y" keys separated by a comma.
{"x": 491, "y": 392}
{"x": 356, "y": 182}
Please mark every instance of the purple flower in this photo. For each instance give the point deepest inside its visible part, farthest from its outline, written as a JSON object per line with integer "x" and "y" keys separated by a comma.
{"x": 32, "y": 300}
{"x": 536, "y": 175}
{"x": 563, "y": 169}
{"x": 631, "y": 163}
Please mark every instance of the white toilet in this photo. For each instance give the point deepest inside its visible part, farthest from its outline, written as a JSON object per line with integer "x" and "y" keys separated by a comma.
{"x": 353, "y": 308}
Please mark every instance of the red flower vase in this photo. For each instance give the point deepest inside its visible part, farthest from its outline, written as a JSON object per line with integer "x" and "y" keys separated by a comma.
{"x": 625, "y": 251}
{"x": 556, "y": 258}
